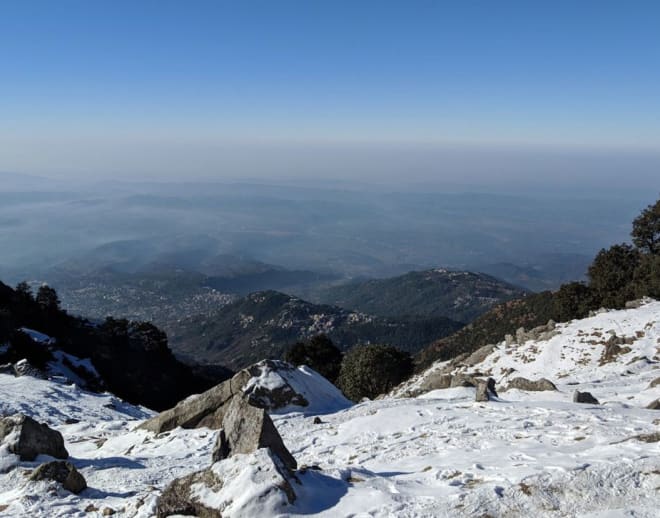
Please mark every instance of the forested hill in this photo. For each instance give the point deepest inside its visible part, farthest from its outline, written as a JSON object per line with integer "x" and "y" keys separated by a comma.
{"x": 263, "y": 324}
{"x": 458, "y": 295}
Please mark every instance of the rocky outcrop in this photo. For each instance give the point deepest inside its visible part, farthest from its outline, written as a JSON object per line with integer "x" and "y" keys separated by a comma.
{"x": 584, "y": 397}
{"x": 223, "y": 486}
{"x": 63, "y": 472}
{"x": 27, "y": 438}
{"x": 462, "y": 380}
{"x": 531, "y": 385}
{"x": 245, "y": 429}
{"x": 264, "y": 384}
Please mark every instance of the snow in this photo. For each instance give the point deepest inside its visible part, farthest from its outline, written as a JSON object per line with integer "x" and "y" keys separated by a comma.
{"x": 321, "y": 395}
{"x": 440, "y": 454}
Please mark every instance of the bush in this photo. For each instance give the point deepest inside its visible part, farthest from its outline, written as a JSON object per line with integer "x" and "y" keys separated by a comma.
{"x": 319, "y": 353}
{"x": 370, "y": 370}
{"x": 646, "y": 279}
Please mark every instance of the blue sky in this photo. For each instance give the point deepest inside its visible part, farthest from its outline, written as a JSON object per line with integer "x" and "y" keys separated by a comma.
{"x": 81, "y": 80}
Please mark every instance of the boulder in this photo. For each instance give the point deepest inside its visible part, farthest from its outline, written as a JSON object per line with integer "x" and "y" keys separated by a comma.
{"x": 27, "y": 438}
{"x": 205, "y": 409}
{"x": 479, "y": 355}
{"x": 243, "y": 485}
{"x": 654, "y": 383}
{"x": 482, "y": 391}
{"x": 63, "y": 472}
{"x": 264, "y": 384}
{"x": 272, "y": 396}
{"x": 490, "y": 383}
{"x": 435, "y": 381}
{"x": 531, "y": 385}
{"x": 462, "y": 380}
{"x": 245, "y": 429}
{"x": 654, "y": 405}
{"x": 584, "y": 397}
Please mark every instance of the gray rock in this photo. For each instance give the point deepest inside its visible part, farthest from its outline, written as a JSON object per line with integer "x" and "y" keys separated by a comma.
{"x": 206, "y": 409}
{"x": 245, "y": 429}
{"x": 482, "y": 391}
{"x": 27, "y": 438}
{"x": 463, "y": 380}
{"x": 654, "y": 383}
{"x": 531, "y": 385}
{"x": 584, "y": 397}
{"x": 435, "y": 381}
{"x": 479, "y": 355}
{"x": 654, "y": 405}
{"x": 177, "y": 498}
{"x": 273, "y": 398}
{"x": 182, "y": 496}
{"x": 490, "y": 383}
{"x": 63, "y": 472}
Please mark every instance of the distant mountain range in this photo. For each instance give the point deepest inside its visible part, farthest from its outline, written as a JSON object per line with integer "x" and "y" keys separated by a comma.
{"x": 263, "y": 324}
{"x": 458, "y": 295}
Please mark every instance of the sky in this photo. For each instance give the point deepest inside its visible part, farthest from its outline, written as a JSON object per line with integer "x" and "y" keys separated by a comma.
{"x": 458, "y": 90}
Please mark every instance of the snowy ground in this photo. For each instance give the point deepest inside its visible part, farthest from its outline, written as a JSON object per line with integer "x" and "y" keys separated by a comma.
{"x": 440, "y": 454}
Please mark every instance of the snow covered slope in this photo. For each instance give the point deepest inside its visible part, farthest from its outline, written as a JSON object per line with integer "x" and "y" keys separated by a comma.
{"x": 439, "y": 454}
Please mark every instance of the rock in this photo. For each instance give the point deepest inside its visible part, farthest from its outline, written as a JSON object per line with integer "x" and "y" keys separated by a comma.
{"x": 462, "y": 380}
{"x": 206, "y": 409}
{"x": 634, "y": 304}
{"x": 245, "y": 429}
{"x": 654, "y": 405}
{"x": 272, "y": 397}
{"x": 63, "y": 472}
{"x": 208, "y": 492}
{"x": 584, "y": 397}
{"x": 24, "y": 368}
{"x": 27, "y": 438}
{"x": 482, "y": 391}
{"x": 648, "y": 437}
{"x": 479, "y": 355}
{"x": 317, "y": 420}
{"x": 108, "y": 511}
{"x": 435, "y": 381}
{"x": 7, "y": 368}
{"x": 535, "y": 385}
{"x": 261, "y": 383}
{"x": 654, "y": 383}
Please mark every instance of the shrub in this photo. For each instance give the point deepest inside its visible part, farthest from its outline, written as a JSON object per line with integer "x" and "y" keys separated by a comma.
{"x": 319, "y": 353}
{"x": 574, "y": 300}
{"x": 370, "y": 370}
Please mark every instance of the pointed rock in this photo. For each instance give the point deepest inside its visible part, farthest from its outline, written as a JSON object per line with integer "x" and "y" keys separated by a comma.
{"x": 584, "y": 397}
{"x": 245, "y": 429}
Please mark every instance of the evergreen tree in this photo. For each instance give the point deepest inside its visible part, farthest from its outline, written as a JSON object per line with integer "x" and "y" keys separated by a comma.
{"x": 646, "y": 229}
{"x": 319, "y": 353}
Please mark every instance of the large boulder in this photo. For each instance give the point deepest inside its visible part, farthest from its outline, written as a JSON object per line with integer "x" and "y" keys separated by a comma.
{"x": 245, "y": 429}
{"x": 269, "y": 384}
{"x": 63, "y": 472}
{"x": 531, "y": 385}
{"x": 27, "y": 438}
{"x": 245, "y": 485}
{"x": 206, "y": 409}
